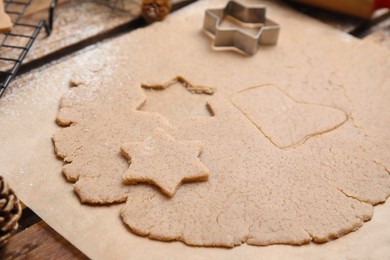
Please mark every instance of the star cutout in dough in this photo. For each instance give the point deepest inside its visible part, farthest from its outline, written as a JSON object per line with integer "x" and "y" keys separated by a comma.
{"x": 164, "y": 161}
{"x": 177, "y": 100}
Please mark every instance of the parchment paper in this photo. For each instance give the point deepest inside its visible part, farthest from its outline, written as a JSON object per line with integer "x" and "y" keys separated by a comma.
{"x": 28, "y": 110}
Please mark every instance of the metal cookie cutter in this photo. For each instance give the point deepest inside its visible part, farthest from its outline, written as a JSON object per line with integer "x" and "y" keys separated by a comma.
{"x": 235, "y": 37}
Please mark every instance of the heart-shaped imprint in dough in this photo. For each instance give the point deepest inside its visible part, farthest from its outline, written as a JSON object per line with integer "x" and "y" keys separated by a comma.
{"x": 283, "y": 120}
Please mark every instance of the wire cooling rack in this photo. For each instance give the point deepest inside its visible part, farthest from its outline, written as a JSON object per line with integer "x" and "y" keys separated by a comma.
{"x": 16, "y": 44}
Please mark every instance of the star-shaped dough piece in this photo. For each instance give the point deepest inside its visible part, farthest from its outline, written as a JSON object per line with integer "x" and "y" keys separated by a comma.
{"x": 164, "y": 161}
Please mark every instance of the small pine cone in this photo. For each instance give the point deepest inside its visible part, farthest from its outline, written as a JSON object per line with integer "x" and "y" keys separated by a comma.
{"x": 10, "y": 212}
{"x": 155, "y": 10}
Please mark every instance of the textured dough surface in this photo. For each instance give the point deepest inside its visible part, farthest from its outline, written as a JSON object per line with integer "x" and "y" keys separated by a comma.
{"x": 257, "y": 193}
{"x": 94, "y": 160}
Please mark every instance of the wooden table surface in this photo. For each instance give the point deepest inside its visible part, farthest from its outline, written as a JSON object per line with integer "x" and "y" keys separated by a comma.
{"x": 72, "y": 32}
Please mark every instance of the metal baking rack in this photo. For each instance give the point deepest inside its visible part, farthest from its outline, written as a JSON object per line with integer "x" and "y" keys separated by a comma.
{"x": 15, "y": 9}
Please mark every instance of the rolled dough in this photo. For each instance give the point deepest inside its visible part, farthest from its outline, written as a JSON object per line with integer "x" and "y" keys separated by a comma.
{"x": 323, "y": 187}
{"x": 337, "y": 71}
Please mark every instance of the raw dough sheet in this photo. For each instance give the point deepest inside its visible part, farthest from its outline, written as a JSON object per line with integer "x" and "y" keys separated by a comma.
{"x": 28, "y": 111}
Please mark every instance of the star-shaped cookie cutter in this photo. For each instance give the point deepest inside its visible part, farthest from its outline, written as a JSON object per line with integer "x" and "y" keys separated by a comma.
{"x": 235, "y": 37}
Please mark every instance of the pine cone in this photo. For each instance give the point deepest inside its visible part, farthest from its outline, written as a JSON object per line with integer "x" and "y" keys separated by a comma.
{"x": 155, "y": 10}
{"x": 10, "y": 212}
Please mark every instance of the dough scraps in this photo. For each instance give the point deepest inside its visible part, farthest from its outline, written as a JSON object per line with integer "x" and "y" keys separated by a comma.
{"x": 165, "y": 162}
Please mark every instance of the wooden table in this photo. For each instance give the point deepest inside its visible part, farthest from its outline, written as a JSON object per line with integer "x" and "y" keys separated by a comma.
{"x": 72, "y": 32}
